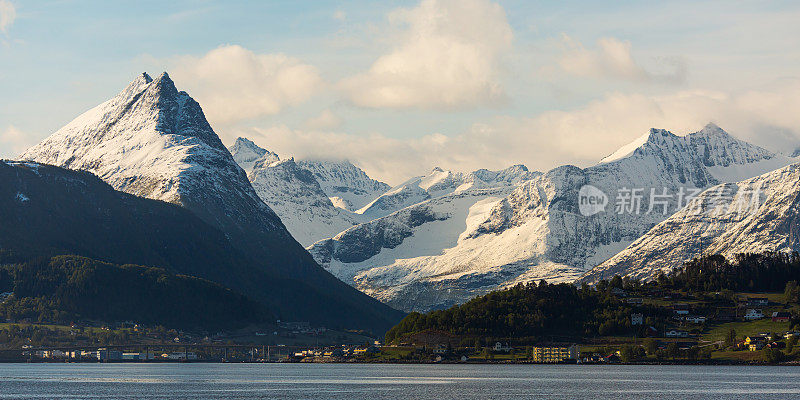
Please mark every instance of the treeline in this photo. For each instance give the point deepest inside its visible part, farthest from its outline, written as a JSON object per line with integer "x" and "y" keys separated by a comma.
{"x": 767, "y": 272}
{"x": 540, "y": 312}
{"x": 532, "y": 312}
{"x": 65, "y": 289}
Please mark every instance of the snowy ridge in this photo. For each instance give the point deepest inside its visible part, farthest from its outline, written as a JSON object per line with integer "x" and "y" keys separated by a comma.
{"x": 439, "y": 183}
{"x": 534, "y": 230}
{"x": 346, "y": 185}
{"x": 313, "y": 198}
{"x": 153, "y": 141}
{"x": 752, "y": 216}
{"x": 421, "y": 231}
{"x": 296, "y": 196}
{"x": 246, "y": 153}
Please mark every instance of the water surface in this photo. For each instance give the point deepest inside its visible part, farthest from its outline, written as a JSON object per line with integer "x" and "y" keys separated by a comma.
{"x": 380, "y": 381}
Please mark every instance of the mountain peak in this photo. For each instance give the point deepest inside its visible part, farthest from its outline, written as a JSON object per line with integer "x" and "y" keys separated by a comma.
{"x": 712, "y": 129}
{"x": 248, "y": 154}
{"x": 164, "y": 84}
{"x": 136, "y": 85}
{"x": 143, "y": 77}
{"x": 245, "y": 143}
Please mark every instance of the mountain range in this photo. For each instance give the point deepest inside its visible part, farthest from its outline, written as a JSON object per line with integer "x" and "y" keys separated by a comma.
{"x": 751, "y": 216}
{"x": 452, "y": 246}
{"x": 153, "y": 141}
{"x": 315, "y": 199}
{"x": 311, "y": 238}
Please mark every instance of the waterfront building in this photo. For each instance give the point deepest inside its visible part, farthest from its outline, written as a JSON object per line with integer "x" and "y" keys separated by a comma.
{"x": 556, "y": 354}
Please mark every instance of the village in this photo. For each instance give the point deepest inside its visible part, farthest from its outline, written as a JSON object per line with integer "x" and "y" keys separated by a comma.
{"x": 669, "y": 326}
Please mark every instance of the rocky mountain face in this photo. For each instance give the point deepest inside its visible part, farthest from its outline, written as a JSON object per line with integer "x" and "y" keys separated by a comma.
{"x": 246, "y": 153}
{"x": 752, "y": 216}
{"x": 153, "y": 141}
{"x": 297, "y": 197}
{"x": 312, "y": 197}
{"x": 538, "y": 229}
{"x": 399, "y": 244}
{"x": 347, "y": 186}
{"x": 439, "y": 183}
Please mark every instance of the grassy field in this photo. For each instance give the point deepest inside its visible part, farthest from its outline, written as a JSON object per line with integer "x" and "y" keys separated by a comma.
{"x": 719, "y": 332}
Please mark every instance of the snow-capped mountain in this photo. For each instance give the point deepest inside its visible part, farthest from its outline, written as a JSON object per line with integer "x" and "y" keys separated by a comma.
{"x": 296, "y": 196}
{"x": 246, "y": 153}
{"x": 154, "y": 141}
{"x": 439, "y": 183}
{"x": 313, "y": 198}
{"x": 348, "y": 186}
{"x": 537, "y": 231}
{"x": 752, "y": 216}
{"x": 424, "y": 229}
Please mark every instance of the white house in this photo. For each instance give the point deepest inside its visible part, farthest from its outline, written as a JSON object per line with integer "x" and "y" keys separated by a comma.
{"x": 675, "y": 333}
{"x": 637, "y": 319}
{"x": 500, "y": 347}
{"x": 696, "y": 319}
{"x": 753, "y": 314}
{"x": 681, "y": 309}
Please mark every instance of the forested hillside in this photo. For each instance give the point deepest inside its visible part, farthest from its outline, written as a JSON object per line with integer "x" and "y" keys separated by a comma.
{"x": 536, "y": 312}
{"x": 66, "y": 289}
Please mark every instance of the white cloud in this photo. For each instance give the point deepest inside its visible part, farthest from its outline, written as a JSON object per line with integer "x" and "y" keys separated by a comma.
{"x": 233, "y": 83}
{"x": 581, "y": 137}
{"x": 446, "y": 57}
{"x": 339, "y": 15}
{"x": 325, "y": 120}
{"x": 612, "y": 58}
{"x": 13, "y": 142}
{"x": 7, "y": 15}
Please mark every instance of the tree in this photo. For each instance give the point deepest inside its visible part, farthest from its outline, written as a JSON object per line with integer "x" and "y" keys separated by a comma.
{"x": 730, "y": 338}
{"x": 487, "y": 354}
{"x": 672, "y": 350}
{"x": 616, "y": 282}
{"x": 791, "y": 293}
{"x": 772, "y": 356}
{"x": 791, "y": 343}
{"x": 651, "y": 346}
{"x": 627, "y": 353}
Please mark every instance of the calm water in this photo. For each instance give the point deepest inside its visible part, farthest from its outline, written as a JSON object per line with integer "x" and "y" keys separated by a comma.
{"x": 440, "y": 382}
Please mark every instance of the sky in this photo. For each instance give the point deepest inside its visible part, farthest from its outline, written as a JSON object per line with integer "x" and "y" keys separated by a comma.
{"x": 399, "y": 87}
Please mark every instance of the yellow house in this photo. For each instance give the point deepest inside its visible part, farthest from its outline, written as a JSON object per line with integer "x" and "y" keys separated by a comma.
{"x": 555, "y": 354}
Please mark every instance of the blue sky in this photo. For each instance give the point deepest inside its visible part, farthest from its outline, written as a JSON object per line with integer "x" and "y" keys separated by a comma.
{"x": 401, "y": 86}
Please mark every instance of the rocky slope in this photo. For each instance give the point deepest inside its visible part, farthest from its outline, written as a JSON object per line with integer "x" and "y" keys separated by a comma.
{"x": 537, "y": 230}
{"x": 313, "y": 198}
{"x": 153, "y": 141}
{"x": 347, "y": 186}
{"x": 246, "y": 153}
{"x": 439, "y": 183}
{"x": 297, "y": 197}
{"x": 752, "y": 216}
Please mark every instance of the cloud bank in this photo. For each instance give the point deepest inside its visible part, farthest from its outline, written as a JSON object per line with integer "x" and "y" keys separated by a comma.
{"x": 14, "y": 142}
{"x": 446, "y": 57}
{"x": 582, "y": 136}
{"x": 612, "y": 58}
{"x": 7, "y": 15}
{"x": 235, "y": 84}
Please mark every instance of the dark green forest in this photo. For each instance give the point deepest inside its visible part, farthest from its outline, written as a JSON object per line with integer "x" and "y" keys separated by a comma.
{"x": 767, "y": 272}
{"x": 66, "y": 289}
{"x": 534, "y": 312}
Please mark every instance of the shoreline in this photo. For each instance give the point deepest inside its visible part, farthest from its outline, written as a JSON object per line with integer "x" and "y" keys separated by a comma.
{"x": 677, "y": 362}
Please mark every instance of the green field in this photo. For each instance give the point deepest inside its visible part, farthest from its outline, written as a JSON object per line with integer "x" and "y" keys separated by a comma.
{"x": 748, "y": 328}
